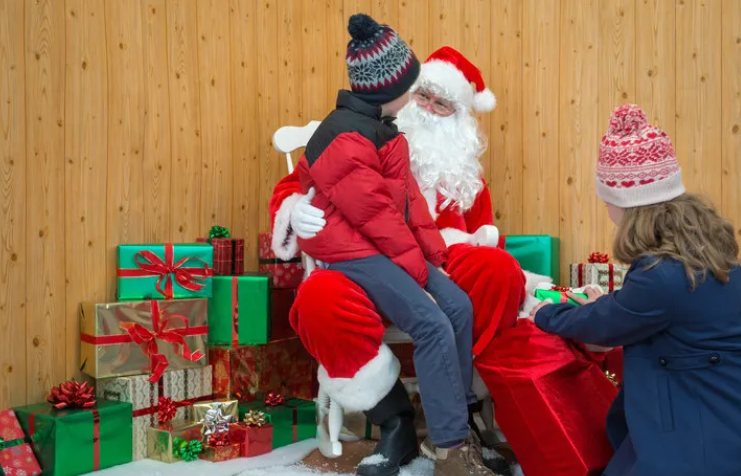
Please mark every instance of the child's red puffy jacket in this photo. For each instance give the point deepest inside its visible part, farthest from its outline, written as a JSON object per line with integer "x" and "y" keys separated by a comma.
{"x": 359, "y": 166}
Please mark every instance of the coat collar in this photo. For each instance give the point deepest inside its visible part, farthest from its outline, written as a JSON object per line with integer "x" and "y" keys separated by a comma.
{"x": 347, "y": 100}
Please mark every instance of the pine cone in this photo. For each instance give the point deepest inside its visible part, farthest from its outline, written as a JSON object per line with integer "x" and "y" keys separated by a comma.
{"x": 72, "y": 394}
{"x": 254, "y": 418}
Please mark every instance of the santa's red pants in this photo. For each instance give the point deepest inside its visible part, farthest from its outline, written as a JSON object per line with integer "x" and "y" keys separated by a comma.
{"x": 340, "y": 327}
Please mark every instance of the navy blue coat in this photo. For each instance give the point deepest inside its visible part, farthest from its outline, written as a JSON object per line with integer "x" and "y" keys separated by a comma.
{"x": 679, "y": 410}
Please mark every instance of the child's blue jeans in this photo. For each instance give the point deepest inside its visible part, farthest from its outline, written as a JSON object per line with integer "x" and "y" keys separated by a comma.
{"x": 442, "y": 335}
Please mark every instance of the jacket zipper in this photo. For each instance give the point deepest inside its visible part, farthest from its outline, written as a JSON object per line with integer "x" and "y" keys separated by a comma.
{"x": 406, "y": 207}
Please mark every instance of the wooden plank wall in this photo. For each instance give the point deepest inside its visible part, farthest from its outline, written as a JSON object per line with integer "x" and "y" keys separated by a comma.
{"x": 150, "y": 120}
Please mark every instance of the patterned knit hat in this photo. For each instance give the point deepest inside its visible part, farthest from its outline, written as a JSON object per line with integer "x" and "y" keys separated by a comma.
{"x": 636, "y": 164}
{"x": 380, "y": 65}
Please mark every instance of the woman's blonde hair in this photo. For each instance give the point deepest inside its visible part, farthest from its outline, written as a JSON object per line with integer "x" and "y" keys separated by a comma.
{"x": 687, "y": 229}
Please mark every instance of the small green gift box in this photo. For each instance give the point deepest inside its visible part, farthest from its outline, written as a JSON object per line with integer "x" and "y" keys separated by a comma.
{"x": 556, "y": 296}
{"x": 293, "y": 421}
{"x": 165, "y": 271}
{"x": 79, "y": 441}
{"x": 240, "y": 311}
{"x": 539, "y": 254}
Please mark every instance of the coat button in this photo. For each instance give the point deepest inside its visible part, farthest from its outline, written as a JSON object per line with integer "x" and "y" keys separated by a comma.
{"x": 714, "y": 359}
{"x": 662, "y": 362}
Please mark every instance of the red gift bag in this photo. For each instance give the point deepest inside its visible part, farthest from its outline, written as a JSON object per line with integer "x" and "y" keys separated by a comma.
{"x": 550, "y": 401}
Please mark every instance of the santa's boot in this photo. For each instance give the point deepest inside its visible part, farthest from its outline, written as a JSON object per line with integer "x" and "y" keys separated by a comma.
{"x": 398, "y": 443}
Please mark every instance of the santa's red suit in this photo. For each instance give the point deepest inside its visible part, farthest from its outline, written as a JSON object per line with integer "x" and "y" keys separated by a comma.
{"x": 340, "y": 327}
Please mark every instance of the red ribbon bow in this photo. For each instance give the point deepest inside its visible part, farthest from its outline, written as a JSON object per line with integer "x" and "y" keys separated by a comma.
{"x": 166, "y": 410}
{"x": 561, "y": 289}
{"x": 148, "y": 340}
{"x": 597, "y": 257}
{"x": 72, "y": 394}
{"x": 152, "y": 265}
{"x": 274, "y": 399}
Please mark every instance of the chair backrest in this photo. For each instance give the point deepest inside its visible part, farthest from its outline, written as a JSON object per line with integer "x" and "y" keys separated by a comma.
{"x": 289, "y": 138}
{"x": 286, "y": 140}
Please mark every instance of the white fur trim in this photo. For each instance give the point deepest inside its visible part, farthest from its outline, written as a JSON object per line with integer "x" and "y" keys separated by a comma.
{"x": 485, "y": 101}
{"x": 284, "y": 244}
{"x": 642, "y": 195}
{"x": 371, "y": 382}
{"x": 454, "y": 236}
{"x": 532, "y": 281}
{"x": 442, "y": 74}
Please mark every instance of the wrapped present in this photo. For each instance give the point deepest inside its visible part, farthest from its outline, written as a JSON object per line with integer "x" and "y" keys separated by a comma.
{"x": 228, "y": 408}
{"x": 551, "y": 402}
{"x": 293, "y": 419}
{"x": 73, "y": 434}
{"x": 177, "y": 440}
{"x": 222, "y": 439}
{"x": 136, "y": 337}
{"x": 165, "y": 271}
{"x": 258, "y": 434}
{"x": 16, "y": 455}
{"x": 556, "y": 295}
{"x": 280, "y": 325}
{"x": 598, "y": 271}
{"x": 539, "y": 254}
{"x": 169, "y": 399}
{"x": 239, "y": 312}
{"x": 243, "y": 372}
{"x": 228, "y": 252}
{"x": 286, "y": 274}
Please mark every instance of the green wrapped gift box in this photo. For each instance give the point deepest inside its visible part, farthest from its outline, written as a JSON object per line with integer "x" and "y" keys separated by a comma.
{"x": 556, "y": 296}
{"x": 240, "y": 311}
{"x": 292, "y": 422}
{"x": 165, "y": 271}
{"x": 539, "y": 254}
{"x": 79, "y": 441}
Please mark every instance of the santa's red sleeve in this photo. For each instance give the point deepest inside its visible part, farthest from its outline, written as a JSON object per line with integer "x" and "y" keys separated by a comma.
{"x": 481, "y": 213}
{"x": 285, "y": 196}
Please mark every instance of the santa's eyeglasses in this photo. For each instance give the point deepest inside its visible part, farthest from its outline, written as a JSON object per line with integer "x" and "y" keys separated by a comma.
{"x": 431, "y": 102}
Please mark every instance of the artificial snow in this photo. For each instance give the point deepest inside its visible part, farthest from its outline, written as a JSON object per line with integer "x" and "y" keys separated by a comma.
{"x": 374, "y": 460}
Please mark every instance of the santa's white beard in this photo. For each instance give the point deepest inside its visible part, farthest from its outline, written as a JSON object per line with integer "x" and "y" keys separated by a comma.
{"x": 445, "y": 153}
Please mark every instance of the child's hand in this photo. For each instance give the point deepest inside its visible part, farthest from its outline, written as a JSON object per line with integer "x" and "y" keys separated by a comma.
{"x": 593, "y": 293}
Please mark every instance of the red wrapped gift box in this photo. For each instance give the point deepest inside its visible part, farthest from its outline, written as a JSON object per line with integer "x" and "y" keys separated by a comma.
{"x": 256, "y": 440}
{"x": 281, "y": 366}
{"x": 286, "y": 274}
{"x": 16, "y": 455}
{"x": 280, "y": 326}
{"x": 551, "y": 402}
{"x": 228, "y": 255}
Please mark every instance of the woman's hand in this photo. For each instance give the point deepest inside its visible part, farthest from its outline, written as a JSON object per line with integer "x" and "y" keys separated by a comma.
{"x": 593, "y": 293}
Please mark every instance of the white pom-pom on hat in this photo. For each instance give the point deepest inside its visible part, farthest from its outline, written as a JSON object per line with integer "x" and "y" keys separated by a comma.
{"x": 485, "y": 101}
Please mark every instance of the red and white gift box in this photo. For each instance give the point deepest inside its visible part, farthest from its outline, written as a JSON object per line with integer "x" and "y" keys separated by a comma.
{"x": 16, "y": 455}
{"x": 286, "y": 274}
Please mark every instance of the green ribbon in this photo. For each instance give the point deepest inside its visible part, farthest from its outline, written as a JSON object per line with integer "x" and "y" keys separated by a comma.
{"x": 218, "y": 232}
{"x": 186, "y": 450}
{"x": 11, "y": 443}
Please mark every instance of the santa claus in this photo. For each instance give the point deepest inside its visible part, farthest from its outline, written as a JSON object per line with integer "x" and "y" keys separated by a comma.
{"x": 334, "y": 318}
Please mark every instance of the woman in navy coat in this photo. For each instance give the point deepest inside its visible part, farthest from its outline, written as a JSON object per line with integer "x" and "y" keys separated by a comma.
{"x": 678, "y": 315}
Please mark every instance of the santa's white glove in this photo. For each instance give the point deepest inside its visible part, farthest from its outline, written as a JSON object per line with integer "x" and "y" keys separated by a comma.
{"x": 486, "y": 235}
{"x": 306, "y": 219}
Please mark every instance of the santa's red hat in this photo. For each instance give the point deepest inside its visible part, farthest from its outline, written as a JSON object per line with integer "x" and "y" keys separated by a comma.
{"x": 460, "y": 81}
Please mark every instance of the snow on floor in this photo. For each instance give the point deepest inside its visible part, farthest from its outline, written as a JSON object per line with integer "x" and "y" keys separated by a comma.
{"x": 281, "y": 462}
